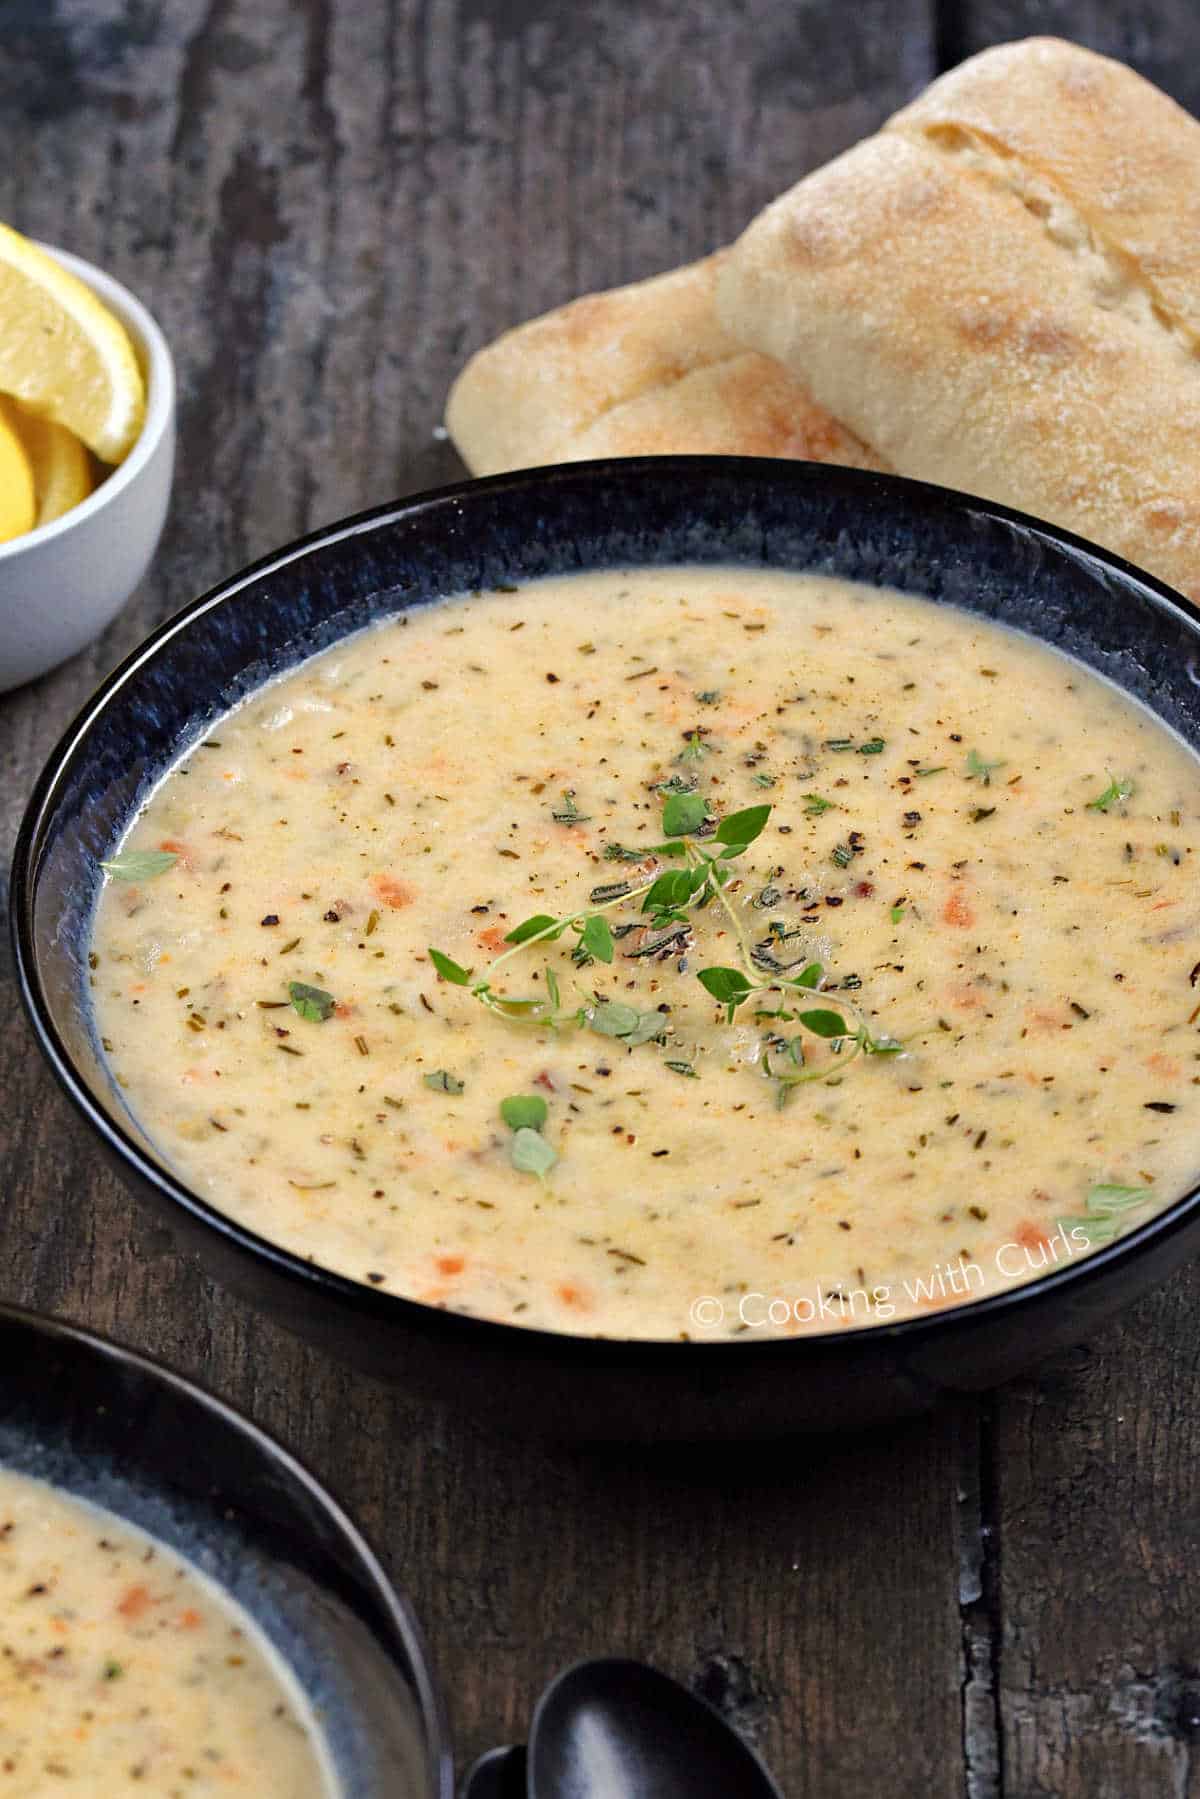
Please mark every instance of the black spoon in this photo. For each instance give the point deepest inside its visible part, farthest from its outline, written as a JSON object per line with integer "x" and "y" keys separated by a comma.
{"x": 614, "y": 1729}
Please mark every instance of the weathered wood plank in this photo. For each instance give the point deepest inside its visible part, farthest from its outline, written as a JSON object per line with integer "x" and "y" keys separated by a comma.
{"x": 1097, "y": 1563}
{"x": 328, "y": 207}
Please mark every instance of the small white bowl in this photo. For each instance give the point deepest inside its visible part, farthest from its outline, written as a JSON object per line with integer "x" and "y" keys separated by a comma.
{"x": 63, "y": 582}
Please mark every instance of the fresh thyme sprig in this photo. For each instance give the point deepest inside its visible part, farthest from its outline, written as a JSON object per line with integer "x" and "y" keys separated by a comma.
{"x": 668, "y": 897}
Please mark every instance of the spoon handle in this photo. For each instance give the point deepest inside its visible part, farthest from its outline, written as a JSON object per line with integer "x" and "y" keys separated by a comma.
{"x": 500, "y": 1774}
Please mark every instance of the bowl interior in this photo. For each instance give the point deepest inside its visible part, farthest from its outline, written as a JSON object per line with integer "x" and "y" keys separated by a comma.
{"x": 105, "y": 1426}
{"x": 661, "y": 512}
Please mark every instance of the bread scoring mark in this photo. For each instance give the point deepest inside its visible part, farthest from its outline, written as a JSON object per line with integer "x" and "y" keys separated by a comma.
{"x": 1116, "y": 282}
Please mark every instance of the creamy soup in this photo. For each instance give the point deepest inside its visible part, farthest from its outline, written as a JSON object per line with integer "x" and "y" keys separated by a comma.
{"x": 123, "y": 1669}
{"x": 928, "y": 1028}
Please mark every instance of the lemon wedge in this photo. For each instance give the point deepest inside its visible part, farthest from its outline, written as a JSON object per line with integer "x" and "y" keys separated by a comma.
{"x": 63, "y": 354}
{"x": 62, "y": 468}
{"x": 17, "y": 507}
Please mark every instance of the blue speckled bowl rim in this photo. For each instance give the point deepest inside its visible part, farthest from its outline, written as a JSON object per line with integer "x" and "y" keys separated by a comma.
{"x": 909, "y": 499}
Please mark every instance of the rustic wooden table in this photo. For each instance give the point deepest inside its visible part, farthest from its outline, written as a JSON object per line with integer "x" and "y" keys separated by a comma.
{"x": 328, "y": 206}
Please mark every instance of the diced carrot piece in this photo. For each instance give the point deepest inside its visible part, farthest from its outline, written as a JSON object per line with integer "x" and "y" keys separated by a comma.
{"x": 136, "y": 1602}
{"x": 957, "y": 909}
{"x": 392, "y": 892}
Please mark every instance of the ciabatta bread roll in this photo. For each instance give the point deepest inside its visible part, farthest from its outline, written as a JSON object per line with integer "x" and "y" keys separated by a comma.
{"x": 1001, "y": 292}
{"x": 639, "y": 371}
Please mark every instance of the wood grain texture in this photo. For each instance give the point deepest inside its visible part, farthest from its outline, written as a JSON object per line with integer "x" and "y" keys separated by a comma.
{"x": 328, "y": 206}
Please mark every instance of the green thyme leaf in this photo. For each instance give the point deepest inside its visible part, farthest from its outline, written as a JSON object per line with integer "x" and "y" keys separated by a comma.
{"x": 1106, "y": 1202}
{"x": 741, "y": 828}
{"x": 1112, "y": 795}
{"x": 979, "y": 770}
{"x": 531, "y": 1154}
{"x": 612, "y": 1018}
{"x": 533, "y": 927}
{"x": 443, "y": 1081}
{"x": 814, "y": 805}
{"x": 808, "y": 977}
{"x": 1108, "y": 1197}
{"x": 683, "y": 813}
{"x": 674, "y": 887}
{"x": 596, "y": 939}
{"x": 825, "y": 1024}
{"x": 694, "y": 750}
{"x": 684, "y": 1068}
{"x": 524, "y": 1111}
{"x": 728, "y": 986}
{"x": 874, "y": 746}
{"x": 449, "y": 971}
{"x": 139, "y": 865}
{"x": 312, "y": 1003}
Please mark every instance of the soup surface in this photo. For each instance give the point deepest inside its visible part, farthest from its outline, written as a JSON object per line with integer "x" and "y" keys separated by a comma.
{"x": 124, "y": 1670}
{"x": 954, "y": 1042}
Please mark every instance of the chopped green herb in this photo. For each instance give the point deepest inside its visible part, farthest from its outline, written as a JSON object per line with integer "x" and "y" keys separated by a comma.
{"x": 139, "y": 865}
{"x": 1115, "y": 792}
{"x": 443, "y": 1082}
{"x": 709, "y": 697}
{"x": 814, "y": 805}
{"x": 312, "y": 1003}
{"x": 875, "y": 746}
{"x": 524, "y": 1111}
{"x": 531, "y": 1154}
{"x": 612, "y": 1018}
{"x": 684, "y": 1068}
{"x": 568, "y": 813}
{"x": 1106, "y": 1204}
{"x": 979, "y": 770}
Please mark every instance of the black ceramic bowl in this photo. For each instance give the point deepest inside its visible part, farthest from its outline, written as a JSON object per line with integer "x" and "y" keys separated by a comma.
{"x": 784, "y": 515}
{"x": 104, "y": 1425}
